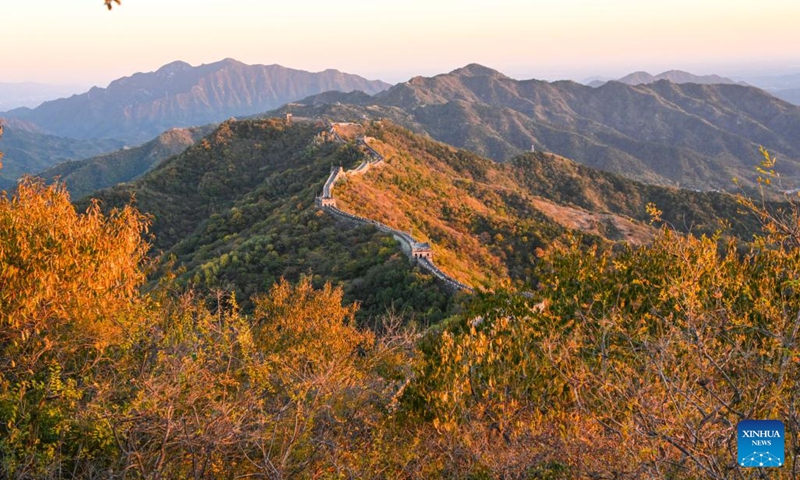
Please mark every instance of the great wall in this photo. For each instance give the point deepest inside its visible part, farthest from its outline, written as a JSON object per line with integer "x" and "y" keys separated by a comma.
{"x": 419, "y": 252}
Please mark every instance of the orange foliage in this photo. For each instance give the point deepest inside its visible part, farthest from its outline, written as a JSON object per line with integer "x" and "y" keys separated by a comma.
{"x": 69, "y": 292}
{"x": 64, "y": 274}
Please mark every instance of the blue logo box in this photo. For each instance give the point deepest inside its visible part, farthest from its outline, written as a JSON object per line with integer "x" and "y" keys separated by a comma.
{"x": 761, "y": 443}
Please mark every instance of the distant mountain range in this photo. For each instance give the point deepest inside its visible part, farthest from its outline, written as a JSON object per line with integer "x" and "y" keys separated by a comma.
{"x": 785, "y": 87}
{"x": 139, "y": 107}
{"x": 674, "y": 76}
{"x": 695, "y": 136}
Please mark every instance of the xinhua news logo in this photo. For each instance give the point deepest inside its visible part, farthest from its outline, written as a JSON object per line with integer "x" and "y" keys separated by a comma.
{"x": 760, "y": 443}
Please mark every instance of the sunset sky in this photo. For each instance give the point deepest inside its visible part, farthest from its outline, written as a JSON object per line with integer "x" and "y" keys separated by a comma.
{"x": 78, "y": 41}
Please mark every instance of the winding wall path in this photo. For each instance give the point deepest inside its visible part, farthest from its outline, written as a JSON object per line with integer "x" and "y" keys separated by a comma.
{"x": 328, "y": 203}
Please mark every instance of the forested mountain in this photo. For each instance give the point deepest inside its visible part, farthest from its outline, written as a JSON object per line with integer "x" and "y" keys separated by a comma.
{"x": 487, "y": 220}
{"x": 238, "y": 211}
{"x": 694, "y": 136}
{"x": 27, "y": 149}
{"x": 139, "y": 107}
{"x": 82, "y": 177}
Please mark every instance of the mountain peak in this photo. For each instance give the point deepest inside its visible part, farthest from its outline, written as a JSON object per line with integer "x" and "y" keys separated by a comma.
{"x": 228, "y": 62}
{"x": 139, "y": 107}
{"x": 476, "y": 70}
{"x": 637, "y": 78}
{"x": 674, "y": 72}
{"x": 174, "y": 67}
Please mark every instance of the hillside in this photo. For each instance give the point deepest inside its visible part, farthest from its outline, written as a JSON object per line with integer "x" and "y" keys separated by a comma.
{"x": 688, "y": 135}
{"x": 615, "y": 349}
{"x": 486, "y": 221}
{"x": 83, "y": 177}
{"x": 237, "y": 211}
{"x": 27, "y": 149}
{"x": 139, "y": 107}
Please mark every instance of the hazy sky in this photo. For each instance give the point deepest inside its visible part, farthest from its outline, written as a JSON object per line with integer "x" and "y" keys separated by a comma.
{"x": 78, "y": 41}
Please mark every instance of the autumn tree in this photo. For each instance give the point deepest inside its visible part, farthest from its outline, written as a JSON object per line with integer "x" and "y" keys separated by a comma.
{"x": 295, "y": 390}
{"x": 641, "y": 364}
{"x": 98, "y": 376}
{"x": 638, "y": 362}
{"x": 69, "y": 301}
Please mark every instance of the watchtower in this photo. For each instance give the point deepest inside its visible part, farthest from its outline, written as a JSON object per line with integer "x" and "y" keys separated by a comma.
{"x": 422, "y": 250}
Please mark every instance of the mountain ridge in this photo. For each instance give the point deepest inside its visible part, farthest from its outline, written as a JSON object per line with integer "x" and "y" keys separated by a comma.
{"x": 676, "y": 76}
{"x": 696, "y": 136}
{"x": 83, "y": 177}
{"x": 140, "y": 106}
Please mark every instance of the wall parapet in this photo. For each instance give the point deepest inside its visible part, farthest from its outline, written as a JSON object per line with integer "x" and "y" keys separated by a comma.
{"x": 417, "y": 251}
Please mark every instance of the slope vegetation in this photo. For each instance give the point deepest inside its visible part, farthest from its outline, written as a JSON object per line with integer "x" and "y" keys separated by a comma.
{"x": 237, "y": 212}
{"x": 488, "y": 222}
{"x": 635, "y": 363}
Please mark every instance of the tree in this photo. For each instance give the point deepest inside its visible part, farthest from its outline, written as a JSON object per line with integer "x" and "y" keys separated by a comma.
{"x": 641, "y": 364}
{"x": 69, "y": 302}
{"x": 98, "y": 376}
